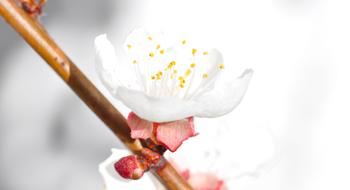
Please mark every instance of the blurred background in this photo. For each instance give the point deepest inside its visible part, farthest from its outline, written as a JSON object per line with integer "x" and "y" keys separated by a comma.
{"x": 290, "y": 132}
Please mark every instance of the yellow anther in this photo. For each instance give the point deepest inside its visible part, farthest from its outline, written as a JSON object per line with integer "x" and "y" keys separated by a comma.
{"x": 181, "y": 79}
{"x": 205, "y": 75}
{"x": 153, "y": 77}
{"x": 193, "y": 65}
{"x": 158, "y": 46}
{"x": 171, "y": 64}
{"x": 161, "y": 51}
{"x": 159, "y": 75}
{"x": 175, "y": 71}
{"x": 194, "y": 51}
{"x": 205, "y": 53}
{"x": 188, "y": 72}
{"x": 151, "y": 54}
{"x": 221, "y": 66}
{"x": 182, "y": 85}
{"x": 129, "y": 46}
{"x": 183, "y": 42}
{"x": 134, "y": 61}
{"x": 150, "y": 38}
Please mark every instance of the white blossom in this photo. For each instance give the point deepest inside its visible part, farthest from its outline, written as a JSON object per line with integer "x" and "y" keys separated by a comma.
{"x": 163, "y": 79}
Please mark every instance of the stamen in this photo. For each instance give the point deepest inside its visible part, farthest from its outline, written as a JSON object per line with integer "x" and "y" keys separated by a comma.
{"x": 139, "y": 77}
{"x": 171, "y": 64}
{"x": 194, "y": 51}
{"x": 182, "y": 81}
{"x": 189, "y": 84}
{"x": 153, "y": 77}
{"x": 159, "y": 75}
{"x": 221, "y": 66}
{"x": 150, "y": 38}
{"x": 181, "y": 78}
{"x": 188, "y": 72}
{"x": 183, "y": 42}
{"x": 151, "y": 54}
{"x": 129, "y": 46}
{"x": 161, "y": 51}
{"x": 158, "y": 46}
{"x": 205, "y": 53}
{"x": 205, "y": 75}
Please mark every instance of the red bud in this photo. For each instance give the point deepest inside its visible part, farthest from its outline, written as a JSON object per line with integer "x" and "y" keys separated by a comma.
{"x": 130, "y": 167}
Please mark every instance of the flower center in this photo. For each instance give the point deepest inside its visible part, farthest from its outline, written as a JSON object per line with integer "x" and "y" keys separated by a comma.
{"x": 171, "y": 71}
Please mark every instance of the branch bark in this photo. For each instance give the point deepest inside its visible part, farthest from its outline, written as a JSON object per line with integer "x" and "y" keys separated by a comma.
{"x": 36, "y": 36}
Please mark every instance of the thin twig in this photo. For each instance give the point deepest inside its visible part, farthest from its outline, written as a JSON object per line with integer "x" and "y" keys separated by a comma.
{"x": 41, "y": 42}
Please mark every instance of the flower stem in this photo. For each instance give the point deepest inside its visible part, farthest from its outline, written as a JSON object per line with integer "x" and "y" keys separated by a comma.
{"x": 36, "y": 36}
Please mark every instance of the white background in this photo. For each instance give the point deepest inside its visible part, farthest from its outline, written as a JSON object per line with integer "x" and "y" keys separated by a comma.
{"x": 290, "y": 132}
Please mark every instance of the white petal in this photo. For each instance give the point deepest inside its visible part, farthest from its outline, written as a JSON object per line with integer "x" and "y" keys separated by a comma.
{"x": 106, "y": 62}
{"x": 205, "y": 65}
{"x": 114, "y": 181}
{"x": 156, "y": 109}
{"x": 224, "y": 97}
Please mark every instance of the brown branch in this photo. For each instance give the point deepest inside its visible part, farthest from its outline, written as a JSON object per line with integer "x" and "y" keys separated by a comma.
{"x": 41, "y": 42}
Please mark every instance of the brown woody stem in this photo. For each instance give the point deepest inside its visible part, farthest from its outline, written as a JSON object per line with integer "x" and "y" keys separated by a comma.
{"x": 41, "y": 42}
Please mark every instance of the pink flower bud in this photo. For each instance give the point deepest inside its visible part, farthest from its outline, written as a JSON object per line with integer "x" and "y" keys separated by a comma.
{"x": 130, "y": 167}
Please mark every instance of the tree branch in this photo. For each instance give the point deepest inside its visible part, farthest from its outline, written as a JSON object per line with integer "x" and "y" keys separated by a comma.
{"x": 41, "y": 42}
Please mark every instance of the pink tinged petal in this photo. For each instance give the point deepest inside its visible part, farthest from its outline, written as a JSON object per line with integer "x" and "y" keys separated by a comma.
{"x": 140, "y": 128}
{"x": 172, "y": 134}
{"x": 205, "y": 181}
